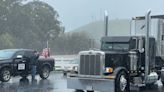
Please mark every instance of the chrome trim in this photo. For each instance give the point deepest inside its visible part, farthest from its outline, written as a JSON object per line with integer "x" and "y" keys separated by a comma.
{"x": 106, "y": 23}
{"x": 92, "y": 52}
{"x": 123, "y": 83}
{"x": 147, "y": 21}
{"x": 102, "y": 85}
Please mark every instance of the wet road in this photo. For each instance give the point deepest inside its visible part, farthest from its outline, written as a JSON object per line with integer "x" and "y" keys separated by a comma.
{"x": 55, "y": 83}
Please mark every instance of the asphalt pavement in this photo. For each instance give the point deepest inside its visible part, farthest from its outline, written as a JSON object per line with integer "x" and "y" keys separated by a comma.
{"x": 55, "y": 83}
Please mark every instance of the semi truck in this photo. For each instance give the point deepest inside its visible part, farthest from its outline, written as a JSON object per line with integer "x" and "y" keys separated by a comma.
{"x": 123, "y": 61}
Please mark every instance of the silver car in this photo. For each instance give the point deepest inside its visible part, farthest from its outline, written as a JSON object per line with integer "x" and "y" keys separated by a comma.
{"x": 70, "y": 66}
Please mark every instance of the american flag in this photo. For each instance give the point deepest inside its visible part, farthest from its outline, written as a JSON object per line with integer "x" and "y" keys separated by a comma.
{"x": 46, "y": 52}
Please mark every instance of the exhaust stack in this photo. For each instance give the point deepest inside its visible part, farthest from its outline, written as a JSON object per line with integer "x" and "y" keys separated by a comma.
{"x": 106, "y": 23}
{"x": 147, "y": 25}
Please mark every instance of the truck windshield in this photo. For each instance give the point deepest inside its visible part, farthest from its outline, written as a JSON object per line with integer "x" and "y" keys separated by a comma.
{"x": 6, "y": 54}
{"x": 115, "y": 46}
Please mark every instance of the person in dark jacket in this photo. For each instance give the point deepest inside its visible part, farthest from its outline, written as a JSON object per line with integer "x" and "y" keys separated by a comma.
{"x": 34, "y": 59}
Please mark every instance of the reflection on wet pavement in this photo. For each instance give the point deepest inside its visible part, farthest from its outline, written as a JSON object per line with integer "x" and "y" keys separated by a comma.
{"x": 24, "y": 85}
{"x": 55, "y": 83}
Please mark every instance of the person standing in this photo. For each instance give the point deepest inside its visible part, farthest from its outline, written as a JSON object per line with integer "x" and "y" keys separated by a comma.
{"x": 33, "y": 61}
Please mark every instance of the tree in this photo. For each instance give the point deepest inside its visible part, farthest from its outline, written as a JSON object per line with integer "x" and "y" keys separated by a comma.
{"x": 29, "y": 25}
{"x": 45, "y": 19}
{"x": 7, "y": 38}
{"x": 72, "y": 43}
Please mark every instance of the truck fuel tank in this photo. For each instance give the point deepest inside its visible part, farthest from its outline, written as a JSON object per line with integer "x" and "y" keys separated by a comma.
{"x": 151, "y": 78}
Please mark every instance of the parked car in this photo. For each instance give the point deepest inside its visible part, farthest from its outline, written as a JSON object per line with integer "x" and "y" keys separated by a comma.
{"x": 18, "y": 62}
{"x": 70, "y": 66}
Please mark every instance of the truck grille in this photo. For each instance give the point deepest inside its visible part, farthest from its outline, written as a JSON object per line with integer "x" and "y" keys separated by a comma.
{"x": 90, "y": 64}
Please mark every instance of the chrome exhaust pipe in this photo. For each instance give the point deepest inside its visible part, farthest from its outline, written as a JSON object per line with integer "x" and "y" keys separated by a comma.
{"x": 106, "y": 23}
{"x": 147, "y": 25}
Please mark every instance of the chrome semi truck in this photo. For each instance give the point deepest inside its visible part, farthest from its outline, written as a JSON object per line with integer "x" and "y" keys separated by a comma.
{"x": 124, "y": 60}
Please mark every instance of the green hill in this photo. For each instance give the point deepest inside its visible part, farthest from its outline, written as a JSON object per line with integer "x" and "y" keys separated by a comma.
{"x": 95, "y": 30}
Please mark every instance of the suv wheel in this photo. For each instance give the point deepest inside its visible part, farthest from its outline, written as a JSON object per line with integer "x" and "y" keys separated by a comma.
{"x": 5, "y": 75}
{"x": 45, "y": 72}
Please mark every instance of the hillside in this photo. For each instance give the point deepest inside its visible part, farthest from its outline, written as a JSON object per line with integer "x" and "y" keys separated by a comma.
{"x": 95, "y": 30}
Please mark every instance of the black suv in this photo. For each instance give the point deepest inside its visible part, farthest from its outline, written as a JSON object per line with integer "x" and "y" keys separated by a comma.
{"x": 18, "y": 62}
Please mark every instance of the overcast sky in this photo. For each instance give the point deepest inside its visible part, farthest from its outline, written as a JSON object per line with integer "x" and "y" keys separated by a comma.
{"x": 76, "y": 13}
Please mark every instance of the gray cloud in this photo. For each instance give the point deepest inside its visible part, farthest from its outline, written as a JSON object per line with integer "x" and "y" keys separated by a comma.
{"x": 75, "y": 13}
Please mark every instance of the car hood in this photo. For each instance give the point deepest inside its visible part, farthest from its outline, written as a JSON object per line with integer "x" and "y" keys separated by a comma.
{"x": 5, "y": 60}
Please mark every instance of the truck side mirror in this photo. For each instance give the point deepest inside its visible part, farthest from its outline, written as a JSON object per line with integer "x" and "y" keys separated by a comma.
{"x": 19, "y": 57}
{"x": 140, "y": 47}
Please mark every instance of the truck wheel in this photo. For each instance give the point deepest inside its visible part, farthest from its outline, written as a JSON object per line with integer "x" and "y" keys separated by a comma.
{"x": 5, "y": 75}
{"x": 45, "y": 72}
{"x": 122, "y": 82}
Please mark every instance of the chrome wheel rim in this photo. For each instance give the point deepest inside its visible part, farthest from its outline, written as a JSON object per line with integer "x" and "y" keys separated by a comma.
{"x": 6, "y": 75}
{"x": 123, "y": 83}
{"x": 45, "y": 73}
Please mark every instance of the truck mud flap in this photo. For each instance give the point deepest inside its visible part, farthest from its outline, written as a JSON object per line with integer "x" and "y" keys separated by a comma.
{"x": 91, "y": 84}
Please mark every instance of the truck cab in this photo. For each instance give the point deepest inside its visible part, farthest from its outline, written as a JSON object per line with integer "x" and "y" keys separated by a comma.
{"x": 127, "y": 52}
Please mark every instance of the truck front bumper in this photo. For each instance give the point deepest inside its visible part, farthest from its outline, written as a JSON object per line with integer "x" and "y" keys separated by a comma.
{"x": 91, "y": 84}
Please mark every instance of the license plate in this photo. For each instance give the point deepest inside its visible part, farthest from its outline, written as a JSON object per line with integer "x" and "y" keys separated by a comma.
{"x": 21, "y": 66}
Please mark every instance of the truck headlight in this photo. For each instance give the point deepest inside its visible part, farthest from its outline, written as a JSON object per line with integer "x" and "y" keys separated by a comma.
{"x": 109, "y": 70}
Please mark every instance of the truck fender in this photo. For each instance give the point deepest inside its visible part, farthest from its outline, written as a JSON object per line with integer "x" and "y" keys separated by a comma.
{"x": 119, "y": 69}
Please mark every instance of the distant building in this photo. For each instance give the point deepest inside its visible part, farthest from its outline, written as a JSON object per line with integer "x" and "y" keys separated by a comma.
{"x": 95, "y": 30}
